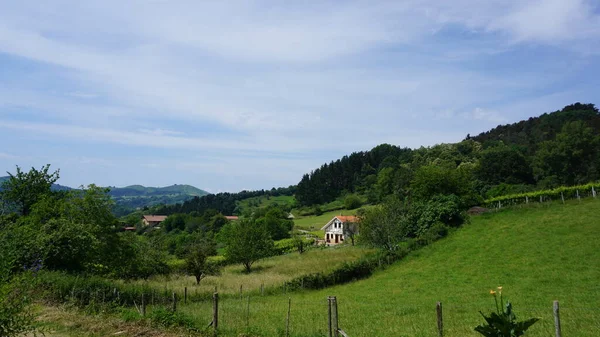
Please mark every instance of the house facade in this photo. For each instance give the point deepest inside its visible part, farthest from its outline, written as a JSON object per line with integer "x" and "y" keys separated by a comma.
{"x": 340, "y": 228}
{"x": 153, "y": 220}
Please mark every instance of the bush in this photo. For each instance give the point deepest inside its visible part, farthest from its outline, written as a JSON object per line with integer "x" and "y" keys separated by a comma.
{"x": 352, "y": 201}
{"x": 440, "y": 209}
{"x": 16, "y": 317}
{"x": 168, "y": 318}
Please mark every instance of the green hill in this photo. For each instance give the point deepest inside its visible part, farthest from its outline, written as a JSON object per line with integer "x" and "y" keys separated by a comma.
{"x": 129, "y": 198}
{"x": 538, "y": 254}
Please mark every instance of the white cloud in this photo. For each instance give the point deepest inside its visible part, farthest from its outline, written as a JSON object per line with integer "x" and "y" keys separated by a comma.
{"x": 275, "y": 77}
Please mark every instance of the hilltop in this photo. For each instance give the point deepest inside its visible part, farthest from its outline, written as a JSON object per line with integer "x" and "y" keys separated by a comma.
{"x": 129, "y": 198}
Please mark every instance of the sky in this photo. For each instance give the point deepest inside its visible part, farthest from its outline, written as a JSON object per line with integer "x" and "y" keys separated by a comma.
{"x": 228, "y": 95}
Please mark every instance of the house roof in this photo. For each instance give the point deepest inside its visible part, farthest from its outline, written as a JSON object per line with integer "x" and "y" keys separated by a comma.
{"x": 155, "y": 218}
{"x": 129, "y": 228}
{"x": 343, "y": 219}
{"x": 231, "y": 217}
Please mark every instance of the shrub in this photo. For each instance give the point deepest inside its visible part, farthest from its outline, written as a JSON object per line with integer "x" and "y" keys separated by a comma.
{"x": 168, "y": 318}
{"x": 16, "y": 317}
{"x": 352, "y": 201}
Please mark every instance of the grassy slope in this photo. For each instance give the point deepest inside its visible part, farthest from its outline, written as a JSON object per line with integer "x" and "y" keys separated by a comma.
{"x": 314, "y": 223}
{"x": 270, "y": 272}
{"x": 538, "y": 254}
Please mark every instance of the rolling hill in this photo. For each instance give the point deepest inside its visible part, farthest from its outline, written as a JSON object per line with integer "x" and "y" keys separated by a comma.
{"x": 129, "y": 198}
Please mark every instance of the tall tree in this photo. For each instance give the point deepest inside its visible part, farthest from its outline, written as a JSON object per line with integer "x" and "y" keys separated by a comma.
{"x": 23, "y": 189}
{"x": 246, "y": 242}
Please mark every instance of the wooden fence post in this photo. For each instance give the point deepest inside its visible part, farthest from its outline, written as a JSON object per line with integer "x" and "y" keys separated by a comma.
{"x": 248, "y": 313}
{"x": 215, "y": 313}
{"x": 578, "y": 196}
{"x": 593, "y": 192}
{"x": 557, "y": 319}
{"x": 562, "y": 197}
{"x": 287, "y": 321}
{"x": 152, "y": 297}
{"x": 185, "y": 295}
{"x": 333, "y": 316}
{"x": 174, "y": 302}
{"x": 143, "y": 305}
{"x": 440, "y": 319}
{"x": 526, "y": 199}
{"x": 329, "y": 318}
{"x": 240, "y": 292}
{"x": 262, "y": 289}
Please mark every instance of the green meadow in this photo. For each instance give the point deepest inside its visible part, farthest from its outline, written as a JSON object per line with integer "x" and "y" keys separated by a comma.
{"x": 537, "y": 254}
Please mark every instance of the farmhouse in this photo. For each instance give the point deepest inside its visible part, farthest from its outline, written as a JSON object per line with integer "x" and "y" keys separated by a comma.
{"x": 232, "y": 217}
{"x": 153, "y": 220}
{"x": 340, "y": 228}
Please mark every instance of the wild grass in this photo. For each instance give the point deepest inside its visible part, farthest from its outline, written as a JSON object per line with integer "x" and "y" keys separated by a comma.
{"x": 270, "y": 272}
{"x": 538, "y": 254}
{"x": 315, "y": 223}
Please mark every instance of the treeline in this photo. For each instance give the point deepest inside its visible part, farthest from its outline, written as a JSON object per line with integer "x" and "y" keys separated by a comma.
{"x": 225, "y": 203}
{"x": 555, "y": 149}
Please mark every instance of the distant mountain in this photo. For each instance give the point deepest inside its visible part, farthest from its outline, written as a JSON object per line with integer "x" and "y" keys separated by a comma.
{"x": 129, "y": 198}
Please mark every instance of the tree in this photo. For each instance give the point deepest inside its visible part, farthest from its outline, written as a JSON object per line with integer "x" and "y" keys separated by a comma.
{"x": 352, "y": 201}
{"x": 385, "y": 225}
{"x": 351, "y": 230}
{"x": 573, "y": 157}
{"x": 246, "y": 242}
{"x": 504, "y": 164}
{"x": 196, "y": 261}
{"x": 23, "y": 190}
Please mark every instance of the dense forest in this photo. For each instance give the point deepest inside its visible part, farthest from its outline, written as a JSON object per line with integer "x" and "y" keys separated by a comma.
{"x": 558, "y": 148}
{"x": 554, "y": 149}
{"x": 225, "y": 203}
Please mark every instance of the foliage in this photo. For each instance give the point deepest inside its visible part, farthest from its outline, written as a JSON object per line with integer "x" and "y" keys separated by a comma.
{"x": 275, "y": 221}
{"x": 16, "y": 316}
{"x": 24, "y": 189}
{"x": 503, "y": 322}
{"x": 352, "y": 201}
{"x": 196, "y": 262}
{"x": 246, "y": 242}
{"x": 384, "y": 226}
{"x": 570, "y": 192}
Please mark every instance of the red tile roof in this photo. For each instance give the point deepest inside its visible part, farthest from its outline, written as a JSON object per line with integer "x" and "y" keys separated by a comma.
{"x": 155, "y": 218}
{"x": 232, "y": 217}
{"x": 347, "y": 218}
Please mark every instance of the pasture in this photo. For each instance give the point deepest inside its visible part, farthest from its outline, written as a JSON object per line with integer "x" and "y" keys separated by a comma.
{"x": 538, "y": 254}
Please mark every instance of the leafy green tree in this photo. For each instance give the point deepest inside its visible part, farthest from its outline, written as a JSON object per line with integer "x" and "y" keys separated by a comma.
{"x": 504, "y": 164}
{"x": 246, "y": 242}
{"x": 352, "y": 201}
{"x": 23, "y": 189}
{"x": 571, "y": 158}
{"x": 384, "y": 225}
{"x": 196, "y": 261}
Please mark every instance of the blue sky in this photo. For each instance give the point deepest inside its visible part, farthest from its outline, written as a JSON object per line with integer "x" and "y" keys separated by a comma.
{"x": 252, "y": 94}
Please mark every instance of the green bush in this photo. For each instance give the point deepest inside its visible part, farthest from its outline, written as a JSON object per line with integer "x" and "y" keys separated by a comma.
{"x": 168, "y": 318}
{"x": 352, "y": 201}
{"x": 16, "y": 317}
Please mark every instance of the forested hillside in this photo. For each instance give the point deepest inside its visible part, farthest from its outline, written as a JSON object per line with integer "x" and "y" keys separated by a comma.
{"x": 559, "y": 148}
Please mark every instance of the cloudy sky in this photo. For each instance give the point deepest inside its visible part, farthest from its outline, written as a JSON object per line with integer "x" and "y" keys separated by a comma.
{"x": 228, "y": 95}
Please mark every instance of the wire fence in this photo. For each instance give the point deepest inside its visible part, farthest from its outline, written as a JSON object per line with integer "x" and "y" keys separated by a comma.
{"x": 298, "y": 316}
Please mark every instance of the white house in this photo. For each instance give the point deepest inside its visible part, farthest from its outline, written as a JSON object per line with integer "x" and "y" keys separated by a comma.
{"x": 340, "y": 228}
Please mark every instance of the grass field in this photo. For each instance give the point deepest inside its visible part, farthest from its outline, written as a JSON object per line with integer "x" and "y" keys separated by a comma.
{"x": 264, "y": 201}
{"x": 538, "y": 254}
{"x": 314, "y": 223}
{"x": 271, "y": 272}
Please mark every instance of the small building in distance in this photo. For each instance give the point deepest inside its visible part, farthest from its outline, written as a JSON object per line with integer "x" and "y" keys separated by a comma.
{"x": 153, "y": 220}
{"x": 340, "y": 228}
{"x": 232, "y": 217}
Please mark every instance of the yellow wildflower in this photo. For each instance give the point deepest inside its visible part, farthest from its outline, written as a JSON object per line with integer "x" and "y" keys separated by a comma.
{"x": 499, "y": 288}
{"x": 492, "y": 292}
